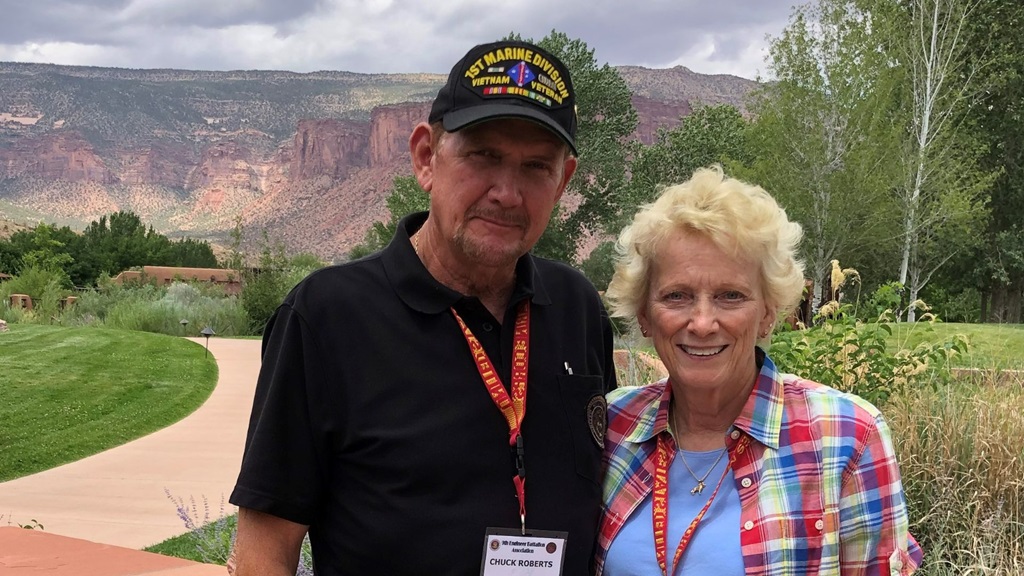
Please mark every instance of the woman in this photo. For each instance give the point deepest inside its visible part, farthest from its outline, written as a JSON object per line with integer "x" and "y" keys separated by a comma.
{"x": 728, "y": 467}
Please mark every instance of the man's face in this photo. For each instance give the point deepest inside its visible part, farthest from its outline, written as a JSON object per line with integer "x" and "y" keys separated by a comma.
{"x": 493, "y": 187}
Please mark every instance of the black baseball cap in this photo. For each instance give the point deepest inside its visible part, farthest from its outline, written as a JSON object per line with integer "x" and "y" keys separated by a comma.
{"x": 508, "y": 79}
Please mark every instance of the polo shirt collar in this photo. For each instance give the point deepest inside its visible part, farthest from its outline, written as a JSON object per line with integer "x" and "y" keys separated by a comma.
{"x": 420, "y": 291}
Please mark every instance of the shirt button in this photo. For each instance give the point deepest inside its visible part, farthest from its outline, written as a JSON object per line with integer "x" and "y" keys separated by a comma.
{"x": 735, "y": 434}
{"x": 488, "y": 327}
{"x": 748, "y": 525}
{"x": 819, "y": 525}
{"x": 746, "y": 482}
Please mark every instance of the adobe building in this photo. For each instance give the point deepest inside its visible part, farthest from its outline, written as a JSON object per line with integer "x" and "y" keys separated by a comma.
{"x": 230, "y": 280}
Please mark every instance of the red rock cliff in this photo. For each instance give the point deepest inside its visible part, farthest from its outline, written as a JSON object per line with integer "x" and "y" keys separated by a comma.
{"x": 327, "y": 148}
{"x": 653, "y": 115}
{"x": 161, "y": 164}
{"x": 390, "y": 127}
{"x": 225, "y": 163}
{"x": 60, "y": 155}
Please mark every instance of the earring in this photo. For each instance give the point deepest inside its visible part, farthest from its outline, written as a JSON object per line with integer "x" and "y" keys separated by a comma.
{"x": 643, "y": 330}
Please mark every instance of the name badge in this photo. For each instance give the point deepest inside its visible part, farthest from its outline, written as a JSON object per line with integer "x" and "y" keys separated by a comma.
{"x": 508, "y": 553}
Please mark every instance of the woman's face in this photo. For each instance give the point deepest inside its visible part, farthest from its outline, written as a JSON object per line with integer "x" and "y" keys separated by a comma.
{"x": 704, "y": 311}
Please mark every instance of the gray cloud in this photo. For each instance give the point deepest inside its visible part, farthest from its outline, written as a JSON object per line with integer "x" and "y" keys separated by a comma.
{"x": 56, "y": 20}
{"x": 380, "y": 35}
{"x": 207, "y": 14}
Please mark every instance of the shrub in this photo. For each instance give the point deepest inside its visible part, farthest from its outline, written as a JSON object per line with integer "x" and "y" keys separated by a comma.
{"x": 962, "y": 306}
{"x": 40, "y": 284}
{"x": 263, "y": 290}
{"x": 859, "y": 357}
{"x": 211, "y": 541}
{"x": 847, "y": 354}
{"x": 887, "y": 297}
{"x": 155, "y": 309}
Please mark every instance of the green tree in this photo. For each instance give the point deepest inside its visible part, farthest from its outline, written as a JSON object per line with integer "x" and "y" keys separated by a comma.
{"x": 128, "y": 241}
{"x": 600, "y": 265}
{"x": 406, "y": 197}
{"x": 606, "y": 119}
{"x": 710, "y": 135}
{"x": 10, "y": 258}
{"x": 941, "y": 191}
{"x": 992, "y": 37}
{"x": 822, "y": 136}
{"x": 48, "y": 252}
{"x": 264, "y": 287}
{"x": 189, "y": 253}
{"x": 121, "y": 241}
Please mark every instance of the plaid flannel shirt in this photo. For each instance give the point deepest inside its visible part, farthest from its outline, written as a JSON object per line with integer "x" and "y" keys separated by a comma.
{"x": 819, "y": 485}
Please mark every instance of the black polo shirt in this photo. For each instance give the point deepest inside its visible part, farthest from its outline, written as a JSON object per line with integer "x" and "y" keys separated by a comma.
{"x": 372, "y": 425}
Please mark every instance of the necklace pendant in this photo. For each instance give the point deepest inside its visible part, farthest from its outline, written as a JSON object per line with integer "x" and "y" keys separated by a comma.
{"x": 698, "y": 488}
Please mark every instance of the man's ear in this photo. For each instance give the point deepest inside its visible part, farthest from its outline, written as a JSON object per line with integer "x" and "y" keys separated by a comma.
{"x": 422, "y": 153}
{"x": 569, "y": 167}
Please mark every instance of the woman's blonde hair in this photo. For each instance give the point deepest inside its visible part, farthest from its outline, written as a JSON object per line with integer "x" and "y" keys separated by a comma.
{"x": 739, "y": 218}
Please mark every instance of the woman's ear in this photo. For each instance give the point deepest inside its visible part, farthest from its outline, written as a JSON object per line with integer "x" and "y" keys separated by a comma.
{"x": 767, "y": 323}
{"x": 643, "y": 322}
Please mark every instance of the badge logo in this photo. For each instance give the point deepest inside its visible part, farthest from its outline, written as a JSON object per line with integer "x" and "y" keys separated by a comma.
{"x": 597, "y": 419}
{"x": 551, "y": 547}
{"x": 521, "y": 74}
{"x": 514, "y": 71}
{"x": 495, "y": 544}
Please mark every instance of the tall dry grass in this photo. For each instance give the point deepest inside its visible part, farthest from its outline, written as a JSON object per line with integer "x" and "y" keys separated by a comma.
{"x": 961, "y": 453}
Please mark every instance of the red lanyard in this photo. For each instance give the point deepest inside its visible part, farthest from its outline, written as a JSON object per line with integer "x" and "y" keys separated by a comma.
{"x": 660, "y": 505}
{"x": 514, "y": 408}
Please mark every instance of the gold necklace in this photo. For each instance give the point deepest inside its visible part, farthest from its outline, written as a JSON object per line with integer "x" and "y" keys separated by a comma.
{"x": 700, "y": 481}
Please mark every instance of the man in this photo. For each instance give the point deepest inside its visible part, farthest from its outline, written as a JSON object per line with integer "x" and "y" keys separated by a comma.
{"x": 389, "y": 419}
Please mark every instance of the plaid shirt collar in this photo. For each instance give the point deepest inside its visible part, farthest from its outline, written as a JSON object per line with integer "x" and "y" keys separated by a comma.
{"x": 761, "y": 416}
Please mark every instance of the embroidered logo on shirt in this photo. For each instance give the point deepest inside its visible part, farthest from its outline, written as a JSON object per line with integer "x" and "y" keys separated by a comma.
{"x": 597, "y": 419}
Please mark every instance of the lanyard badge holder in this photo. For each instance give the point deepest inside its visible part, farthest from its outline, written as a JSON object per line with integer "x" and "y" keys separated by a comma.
{"x": 509, "y": 552}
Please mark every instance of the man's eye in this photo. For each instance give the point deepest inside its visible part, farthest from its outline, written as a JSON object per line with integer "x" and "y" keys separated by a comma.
{"x": 733, "y": 295}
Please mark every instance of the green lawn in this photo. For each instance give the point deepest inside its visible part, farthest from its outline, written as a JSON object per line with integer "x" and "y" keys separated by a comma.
{"x": 998, "y": 346}
{"x": 67, "y": 393}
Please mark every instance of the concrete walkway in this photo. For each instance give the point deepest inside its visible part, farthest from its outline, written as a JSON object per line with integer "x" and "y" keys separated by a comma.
{"x": 118, "y": 497}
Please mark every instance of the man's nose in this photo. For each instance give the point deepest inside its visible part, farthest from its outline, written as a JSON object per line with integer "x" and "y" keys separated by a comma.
{"x": 506, "y": 186}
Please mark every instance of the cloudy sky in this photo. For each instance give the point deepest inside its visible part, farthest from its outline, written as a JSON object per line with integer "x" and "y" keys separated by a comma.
{"x": 707, "y": 36}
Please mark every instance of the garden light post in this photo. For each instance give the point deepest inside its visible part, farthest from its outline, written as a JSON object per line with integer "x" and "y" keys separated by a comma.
{"x": 184, "y": 325}
{"x": 207, "y": 332}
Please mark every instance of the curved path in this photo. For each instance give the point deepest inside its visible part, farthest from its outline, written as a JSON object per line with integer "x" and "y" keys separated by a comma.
{"x": 118, "y": 497}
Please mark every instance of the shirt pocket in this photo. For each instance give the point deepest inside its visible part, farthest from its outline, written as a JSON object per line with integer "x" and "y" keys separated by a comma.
{"x": 587, "y": 417}
{"x": 803, "y": 540}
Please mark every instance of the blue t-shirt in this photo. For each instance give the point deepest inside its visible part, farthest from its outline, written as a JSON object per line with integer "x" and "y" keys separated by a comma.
{"x": 715, "y": 546}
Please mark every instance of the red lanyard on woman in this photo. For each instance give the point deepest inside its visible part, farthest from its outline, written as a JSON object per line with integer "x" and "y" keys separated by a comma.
{"x": 514, "y": 408}
{"x": 659, "y": 514}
